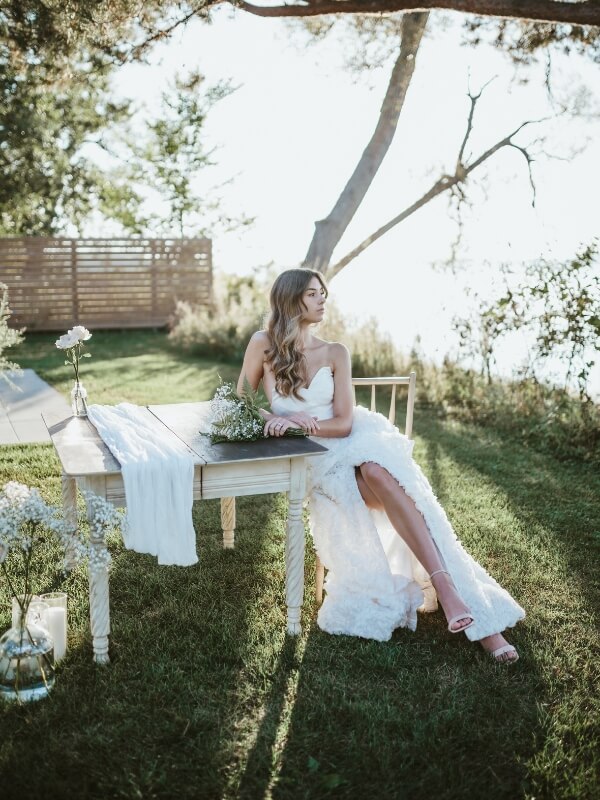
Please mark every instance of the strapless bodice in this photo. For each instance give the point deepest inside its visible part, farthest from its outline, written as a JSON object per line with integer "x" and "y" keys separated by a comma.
{"x": 316, "y": 398}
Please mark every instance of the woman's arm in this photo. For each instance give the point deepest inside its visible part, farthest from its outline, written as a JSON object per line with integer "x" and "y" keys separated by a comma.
{"x": 254, "y": 361}
{"x": 341, "y": 422}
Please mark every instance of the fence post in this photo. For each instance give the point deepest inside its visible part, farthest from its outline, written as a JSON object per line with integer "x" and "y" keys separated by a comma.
{"x": 74, "y": 281}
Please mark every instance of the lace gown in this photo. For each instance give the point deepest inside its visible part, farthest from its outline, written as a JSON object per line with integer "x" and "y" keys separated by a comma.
{"x": 374, "y": 583}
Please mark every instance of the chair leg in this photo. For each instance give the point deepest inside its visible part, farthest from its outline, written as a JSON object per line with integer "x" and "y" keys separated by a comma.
{"x": 228, "y": 522}
{"x": 320, "y": 577}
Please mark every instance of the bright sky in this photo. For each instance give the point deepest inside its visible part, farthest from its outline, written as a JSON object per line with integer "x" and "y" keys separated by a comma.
{"x": 294, "y": 129}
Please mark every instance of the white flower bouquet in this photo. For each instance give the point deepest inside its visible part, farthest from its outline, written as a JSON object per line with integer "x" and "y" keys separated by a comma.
{"x": 72, "y": 342}
{"x": 237, "y": 418}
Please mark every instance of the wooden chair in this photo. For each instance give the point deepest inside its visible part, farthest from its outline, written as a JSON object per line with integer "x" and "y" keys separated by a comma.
{"x": 409, "y": 381}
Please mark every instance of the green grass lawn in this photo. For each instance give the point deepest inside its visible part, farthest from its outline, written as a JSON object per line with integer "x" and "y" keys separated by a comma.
{"x": 136, "y": 366}
{"x": 206, "y": 697}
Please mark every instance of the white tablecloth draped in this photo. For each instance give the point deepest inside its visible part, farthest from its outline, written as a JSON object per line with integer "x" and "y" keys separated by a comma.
{"x": 158, "y": 473}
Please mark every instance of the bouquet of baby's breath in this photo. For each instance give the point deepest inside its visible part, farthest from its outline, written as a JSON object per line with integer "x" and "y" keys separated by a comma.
{"x": 27, "y": 523}
{"x": 237, "y": 418}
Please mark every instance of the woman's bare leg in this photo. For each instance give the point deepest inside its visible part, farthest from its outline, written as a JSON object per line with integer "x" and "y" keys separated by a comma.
{"x": 409, "y": 522}
{"x": 382, "y": 491}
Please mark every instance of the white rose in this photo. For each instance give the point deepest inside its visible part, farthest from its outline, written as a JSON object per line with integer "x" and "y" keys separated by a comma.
{"x": 66, "y": 341}
{"x": 82, "y": 334}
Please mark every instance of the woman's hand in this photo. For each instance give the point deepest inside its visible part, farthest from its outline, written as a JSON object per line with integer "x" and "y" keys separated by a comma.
{"x": 277, "y": 426}
{"x": 302, "y": 420}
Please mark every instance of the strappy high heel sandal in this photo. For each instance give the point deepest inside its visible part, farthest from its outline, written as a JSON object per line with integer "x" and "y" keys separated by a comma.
{"x": 508, "y": 648}
{"x": 459, "y": 616}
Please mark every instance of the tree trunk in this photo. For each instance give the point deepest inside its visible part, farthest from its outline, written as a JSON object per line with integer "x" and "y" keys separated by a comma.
{"x": 330, "y": 230}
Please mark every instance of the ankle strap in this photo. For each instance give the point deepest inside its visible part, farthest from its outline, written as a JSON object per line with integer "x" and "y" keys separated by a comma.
{"x": 437, "y": 571}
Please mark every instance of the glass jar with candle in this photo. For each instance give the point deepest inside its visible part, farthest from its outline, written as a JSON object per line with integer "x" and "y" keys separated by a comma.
{"x": 56, "y": 621}
{"x": 19, "y": 603}
{"x": 27, "y": 657}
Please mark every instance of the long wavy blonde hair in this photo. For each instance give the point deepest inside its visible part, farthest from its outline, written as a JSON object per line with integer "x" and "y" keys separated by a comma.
{"x": 287, "y": 309}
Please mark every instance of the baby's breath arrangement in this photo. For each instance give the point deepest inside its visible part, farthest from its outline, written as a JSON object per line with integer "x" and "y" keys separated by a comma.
{"x": 103, "y": 518}
{"x": 27, "y": 522}
{"x": 237, "y": 418}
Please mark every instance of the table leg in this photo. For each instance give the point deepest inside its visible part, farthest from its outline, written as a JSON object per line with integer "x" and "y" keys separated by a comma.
{"x": 69, "y": 500}
{"x": 228, "y": 522}
{"x": 99, "y": 587}
{"x": 294, "y": 547}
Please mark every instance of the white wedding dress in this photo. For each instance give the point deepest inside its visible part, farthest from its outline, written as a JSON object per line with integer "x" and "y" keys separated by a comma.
{"x": 374, "y": 583}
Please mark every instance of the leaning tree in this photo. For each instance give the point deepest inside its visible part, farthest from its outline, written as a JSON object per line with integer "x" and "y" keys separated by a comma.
{"x": 520, "y": 28}
{"x": 121, "y": 30}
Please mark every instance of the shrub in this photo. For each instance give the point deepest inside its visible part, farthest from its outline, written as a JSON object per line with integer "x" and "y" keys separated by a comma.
{"x": 373, "y": 352}
{"x": 9, "y": 337}
{"x": 543, "y": 416}
{"x": 239, "y": 308}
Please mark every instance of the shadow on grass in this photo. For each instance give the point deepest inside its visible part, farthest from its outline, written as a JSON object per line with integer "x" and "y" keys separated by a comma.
{"x": 165, "y": 719}
{"x": 428, "y": 714}
{"x": 207, "y": 697}
{"x": 420, "y": 716}
{"x": 540, "y": 538}
{"x": 555, "y": 504}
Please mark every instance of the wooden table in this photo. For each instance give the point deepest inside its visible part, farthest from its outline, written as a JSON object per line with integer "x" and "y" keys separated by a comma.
{"x": 222, "y": 470}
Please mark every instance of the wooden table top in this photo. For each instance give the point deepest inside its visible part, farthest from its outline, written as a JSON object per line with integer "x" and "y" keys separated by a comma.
{"x": 82, "y": 452}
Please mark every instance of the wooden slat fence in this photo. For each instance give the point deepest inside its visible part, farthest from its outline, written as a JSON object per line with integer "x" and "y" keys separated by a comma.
{"x": 55, "y": 283}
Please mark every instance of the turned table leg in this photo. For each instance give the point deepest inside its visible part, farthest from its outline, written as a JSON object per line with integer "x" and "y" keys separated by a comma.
{"x": 228, "y": 522}
{"x": 99, "y": 588}
{"x": 294, "y": 547}
{"x": 69, "y": 501}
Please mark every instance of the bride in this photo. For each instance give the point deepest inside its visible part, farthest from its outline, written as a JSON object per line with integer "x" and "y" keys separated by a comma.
{"x": 377, "y": 526}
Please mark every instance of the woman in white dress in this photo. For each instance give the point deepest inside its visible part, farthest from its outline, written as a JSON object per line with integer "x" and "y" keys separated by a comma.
{"x": 378, "y": 528}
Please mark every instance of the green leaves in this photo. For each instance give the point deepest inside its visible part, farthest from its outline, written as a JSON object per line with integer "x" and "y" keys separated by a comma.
{"x": 46, "y": 180}
{"x": 557, "y": 306}
{"x": 8, "y": 336}
{"x": 170, "y": 161}
{"x": 237, "y": 418}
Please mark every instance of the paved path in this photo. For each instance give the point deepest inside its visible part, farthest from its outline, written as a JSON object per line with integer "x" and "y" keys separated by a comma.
{"x": 20, "y": 409}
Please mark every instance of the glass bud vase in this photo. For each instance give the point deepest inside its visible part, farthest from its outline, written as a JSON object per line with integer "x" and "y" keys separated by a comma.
{"x": 26, "y": 663}
{"x": 79, "y": 400}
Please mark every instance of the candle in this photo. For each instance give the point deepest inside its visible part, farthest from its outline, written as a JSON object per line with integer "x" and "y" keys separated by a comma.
{"x": 56, "y": 618}
{"x": 57, "y": 621}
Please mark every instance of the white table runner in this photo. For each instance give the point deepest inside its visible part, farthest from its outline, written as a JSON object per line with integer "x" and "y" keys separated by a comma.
{"x": 158, "y": 474}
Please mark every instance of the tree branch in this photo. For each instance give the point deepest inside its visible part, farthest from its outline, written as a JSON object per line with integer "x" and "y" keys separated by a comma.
{"x": 139, "y": 49}
{"x": 329, "y": 231}
{"x": 529, "y": 160}
{"x": 473, "y": 99}
{"x": 444, "y": 184}
{"x": 583, "y": 13}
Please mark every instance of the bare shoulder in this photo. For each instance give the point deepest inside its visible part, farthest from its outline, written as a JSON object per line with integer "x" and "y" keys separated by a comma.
{"x": 259, "y": 341}
{"x": 339, "y": 354}
{"x": 335, "y": 350}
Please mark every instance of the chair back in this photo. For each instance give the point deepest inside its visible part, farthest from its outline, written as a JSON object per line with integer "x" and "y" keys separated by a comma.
{"x": 393, "y": 381}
